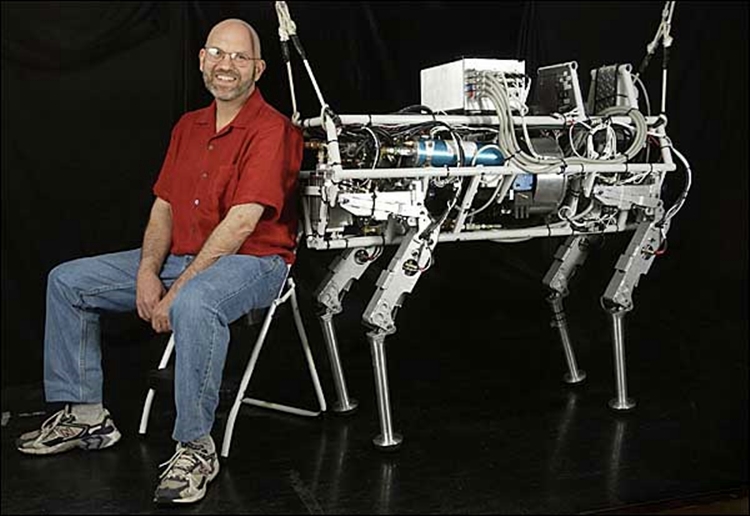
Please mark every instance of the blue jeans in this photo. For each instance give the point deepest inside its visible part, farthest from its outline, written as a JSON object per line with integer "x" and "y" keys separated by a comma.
{"x": 79, "y": 290}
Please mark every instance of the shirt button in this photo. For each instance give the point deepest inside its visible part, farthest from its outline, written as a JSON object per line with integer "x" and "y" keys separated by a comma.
{"x": 210, "y": 146}
{"x": 204, "y": 175}
{"x": 196, "y": 202}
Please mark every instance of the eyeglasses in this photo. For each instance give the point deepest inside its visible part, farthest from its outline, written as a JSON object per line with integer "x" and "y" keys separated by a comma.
{"x": 240, "y": 59}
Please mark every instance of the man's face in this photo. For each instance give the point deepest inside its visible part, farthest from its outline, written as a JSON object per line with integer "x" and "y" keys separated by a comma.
{"x": 229, "y": 79}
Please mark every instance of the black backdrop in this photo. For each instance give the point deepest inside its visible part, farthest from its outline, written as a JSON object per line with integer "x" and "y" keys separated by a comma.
{"x": 90, "y": 91}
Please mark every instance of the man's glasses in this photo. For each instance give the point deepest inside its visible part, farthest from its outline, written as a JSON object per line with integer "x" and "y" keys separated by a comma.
{"x": 240, "y": 59}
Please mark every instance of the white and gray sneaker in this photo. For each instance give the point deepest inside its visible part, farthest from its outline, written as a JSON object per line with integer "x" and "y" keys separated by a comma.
{"x": 187, "y": 474}
{"x": 62, "y": 432}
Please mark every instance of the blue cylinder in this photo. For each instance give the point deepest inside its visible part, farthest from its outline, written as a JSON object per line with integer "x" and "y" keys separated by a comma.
{"x": 441, "y": 153}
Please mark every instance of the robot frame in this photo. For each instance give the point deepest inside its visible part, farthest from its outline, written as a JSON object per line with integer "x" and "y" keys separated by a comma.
{"x": 488, "y": 170}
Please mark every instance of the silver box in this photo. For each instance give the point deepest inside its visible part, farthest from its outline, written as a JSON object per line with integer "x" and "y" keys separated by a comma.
{"x": 445, "y": 87}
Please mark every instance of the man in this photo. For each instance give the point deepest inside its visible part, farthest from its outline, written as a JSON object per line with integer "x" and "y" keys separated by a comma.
{"x": 220, "y": 235}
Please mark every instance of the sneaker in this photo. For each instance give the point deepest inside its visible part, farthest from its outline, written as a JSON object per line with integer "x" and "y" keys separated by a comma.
{"x": 188, "y": 472}
{"x": 62, "y": 432}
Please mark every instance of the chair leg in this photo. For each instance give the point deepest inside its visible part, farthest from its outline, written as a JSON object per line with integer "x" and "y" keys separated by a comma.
{"x": 229, "y": 428}
{"x": 240, "y": 398}
{"x": 308, "y": 354}
{"x": 146, "y": 411}
{"x": 150, "y": 395}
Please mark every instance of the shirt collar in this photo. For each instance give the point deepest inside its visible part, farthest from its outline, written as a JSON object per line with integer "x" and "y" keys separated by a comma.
{"x": 249, "y": 110}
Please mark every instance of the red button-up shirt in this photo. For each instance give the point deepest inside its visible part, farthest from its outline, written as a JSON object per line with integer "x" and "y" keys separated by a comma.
{"x": 255, "y": 158}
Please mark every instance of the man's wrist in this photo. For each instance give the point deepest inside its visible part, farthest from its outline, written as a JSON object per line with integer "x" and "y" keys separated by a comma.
{"x": 148, "y": 268}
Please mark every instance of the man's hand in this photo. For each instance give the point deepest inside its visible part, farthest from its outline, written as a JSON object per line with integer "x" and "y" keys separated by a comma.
{"x": 152, "y": 302}
{"x": 149, "y": 291}
{"x": 160, "y": 313}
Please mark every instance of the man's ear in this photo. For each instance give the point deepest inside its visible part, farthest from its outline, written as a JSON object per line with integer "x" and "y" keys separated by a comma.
{"x": 258, "y": 69}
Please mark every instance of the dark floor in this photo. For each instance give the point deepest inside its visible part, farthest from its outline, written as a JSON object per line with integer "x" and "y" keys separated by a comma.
{"x": 488, "y": 425}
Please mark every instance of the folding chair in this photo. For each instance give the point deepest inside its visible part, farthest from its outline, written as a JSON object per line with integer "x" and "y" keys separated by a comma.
{"x": 287, "y": 292}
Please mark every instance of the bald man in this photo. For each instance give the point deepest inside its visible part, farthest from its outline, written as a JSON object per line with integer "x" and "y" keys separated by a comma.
{"x": 219, "y": 240}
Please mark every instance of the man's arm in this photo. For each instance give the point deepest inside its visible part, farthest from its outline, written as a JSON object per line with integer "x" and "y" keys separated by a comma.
{"x": 225, "y": 239}
{"x": 157, "y": 240}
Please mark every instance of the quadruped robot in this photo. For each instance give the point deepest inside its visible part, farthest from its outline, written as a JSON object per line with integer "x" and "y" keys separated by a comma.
{"x": 472, "y": 162}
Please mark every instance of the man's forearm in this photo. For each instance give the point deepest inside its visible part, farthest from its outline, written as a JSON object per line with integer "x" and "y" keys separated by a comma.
{"x": 226, "y": 239}
{"x": 157, "y": 238}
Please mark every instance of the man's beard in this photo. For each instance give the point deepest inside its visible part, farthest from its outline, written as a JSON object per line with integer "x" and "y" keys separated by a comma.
{"x": 239, "y": 89}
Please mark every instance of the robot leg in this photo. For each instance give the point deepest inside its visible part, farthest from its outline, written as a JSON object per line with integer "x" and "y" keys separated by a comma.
{"x": 569, "y": 256}
{"x": 411, "y": 259}
{"x": 346, "y": 269}
{"x": 618, "y": 297}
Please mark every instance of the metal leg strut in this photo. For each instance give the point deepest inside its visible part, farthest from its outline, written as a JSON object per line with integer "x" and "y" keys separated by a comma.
{"x": 387, "y": 439}
{"x": 574, "y": 375}
{"x": 621, "y": 402}
{"x": 343, "y": 404}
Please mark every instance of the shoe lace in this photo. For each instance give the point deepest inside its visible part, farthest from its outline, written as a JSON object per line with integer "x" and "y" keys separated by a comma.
{"x": 52, "y": 422}
{"x": 183, "y": 461}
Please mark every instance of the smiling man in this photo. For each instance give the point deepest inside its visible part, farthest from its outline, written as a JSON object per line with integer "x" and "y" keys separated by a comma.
{"x": 231, "y": 86}
{"x": 220, "y": 235}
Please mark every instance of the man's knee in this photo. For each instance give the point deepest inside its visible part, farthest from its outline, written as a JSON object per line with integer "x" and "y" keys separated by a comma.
{"x": 66, "y": 274}
{"x": 192, "y": 304}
